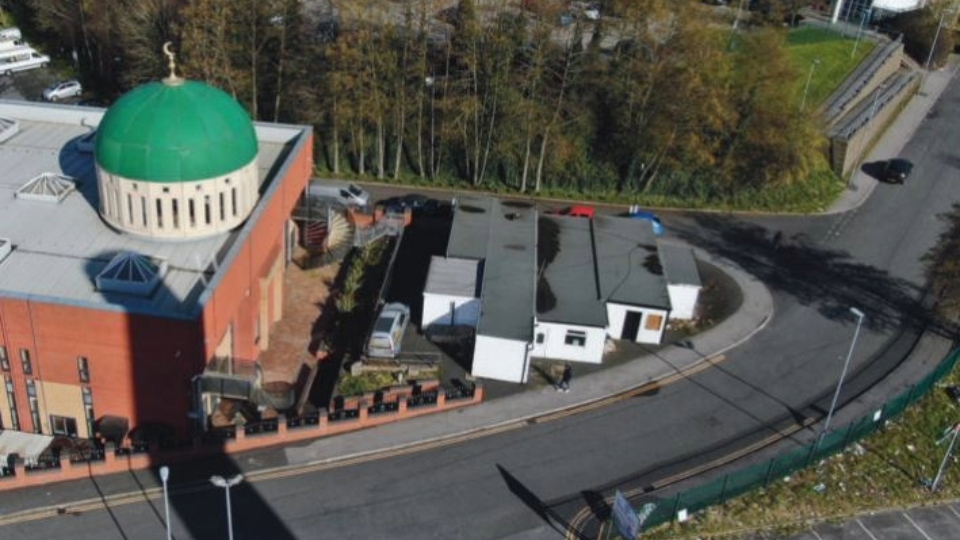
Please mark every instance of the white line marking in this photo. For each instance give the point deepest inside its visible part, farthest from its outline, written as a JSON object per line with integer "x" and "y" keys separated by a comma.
{"x": 865, "y": 529}
{"x": 954, "y": 510}
{"x": 914, "y": 523}
{"x": 815, "y": 533}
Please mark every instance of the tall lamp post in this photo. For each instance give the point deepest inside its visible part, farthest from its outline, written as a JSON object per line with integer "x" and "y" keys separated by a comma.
{"x": 226, "y": 484}
{"x": 843, "y": 374}
{"x": 164, "y": 476}
{"x": 933, "y": 47}
{"x": 806, "y": 87}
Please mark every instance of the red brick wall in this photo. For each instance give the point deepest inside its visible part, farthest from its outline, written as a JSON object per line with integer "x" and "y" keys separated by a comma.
{"x": 237, "y": 296}
{"x": 138, "y": 365}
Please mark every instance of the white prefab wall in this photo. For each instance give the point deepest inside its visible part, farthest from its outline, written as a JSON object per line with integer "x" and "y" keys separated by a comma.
{"x": 683, "y": 298}
{"x": 617, "y": 313}
{"x": 437, "y": 310}
{"x": 555, "y": 337}
{"x": 500, "y": 359}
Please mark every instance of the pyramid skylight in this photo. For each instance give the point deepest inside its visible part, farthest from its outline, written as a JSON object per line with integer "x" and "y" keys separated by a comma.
{"x": 5, "y": 248}
{"x": 132, "y": 273}
{"x": 8, "y": 128}
{"x": 47, "y": 187}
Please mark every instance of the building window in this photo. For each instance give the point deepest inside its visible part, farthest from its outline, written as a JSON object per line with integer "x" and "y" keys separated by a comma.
{"x": 143, "y": 210}
{"x": 83, "y": 369}
{"x": 12, "y": 402}
{"x": 233, "y": 200}
{"x": 576, "y": 338}
{"x": 129, "y": 208}
{"x": 34, "y": 405}
{"x": 540, "y": 338}
{"x": 160, "y": 213}
{"x": 63, "y": 425}
{"x": 88, "y": 411}
{"x": 4, "y": 359}
{"x": 223, "y": 207}
{"x": 206, "y": 209}
{"x": 25, "y": 362}
{"x": 192, "y": 212}
{"x": 654, "y": 322}
{"x": 176, "y": 214}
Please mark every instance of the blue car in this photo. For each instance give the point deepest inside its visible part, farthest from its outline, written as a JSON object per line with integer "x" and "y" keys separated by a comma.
{"x": 651, "y": 217}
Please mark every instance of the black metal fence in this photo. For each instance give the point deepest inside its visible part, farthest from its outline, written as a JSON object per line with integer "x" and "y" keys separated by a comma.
{"x": 756, "y": 476}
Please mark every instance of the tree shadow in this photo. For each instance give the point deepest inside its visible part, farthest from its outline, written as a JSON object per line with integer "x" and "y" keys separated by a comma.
{"x": 828, "y": 280}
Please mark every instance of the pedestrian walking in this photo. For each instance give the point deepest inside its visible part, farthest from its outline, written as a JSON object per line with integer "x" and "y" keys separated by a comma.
{"x": 564, "y": 384}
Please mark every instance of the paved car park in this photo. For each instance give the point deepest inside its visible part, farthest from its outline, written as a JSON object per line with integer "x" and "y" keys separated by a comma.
{"x": 941, "y": 522}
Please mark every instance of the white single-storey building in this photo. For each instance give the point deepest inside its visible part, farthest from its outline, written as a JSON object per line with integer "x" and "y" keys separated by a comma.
{"x": 546, "y": 286}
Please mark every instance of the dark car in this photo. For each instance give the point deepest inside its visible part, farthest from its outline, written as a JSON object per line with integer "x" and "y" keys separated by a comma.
{"x": 896, "y": 170}
{"x": 416, "y": 202}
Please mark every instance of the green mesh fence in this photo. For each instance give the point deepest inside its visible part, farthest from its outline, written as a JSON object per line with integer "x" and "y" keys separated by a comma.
{"x": 746, "y": 480}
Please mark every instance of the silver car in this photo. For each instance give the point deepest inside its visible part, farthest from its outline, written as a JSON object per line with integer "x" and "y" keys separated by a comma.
{"x": 62, "y": 90}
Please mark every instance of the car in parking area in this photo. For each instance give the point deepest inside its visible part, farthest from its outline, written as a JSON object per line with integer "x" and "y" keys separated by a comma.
{"x": 576, "y": 210}
{"x": 655, "y": 223}
{"x": 416, "y": 202}
{"x": 62, "y": 90}
{"x": 388, "y": 330}
{"x": 896, "y": 170}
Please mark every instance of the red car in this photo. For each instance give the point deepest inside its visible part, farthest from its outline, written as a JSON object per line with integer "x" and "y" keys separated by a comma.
{"x": 577, "y": 210}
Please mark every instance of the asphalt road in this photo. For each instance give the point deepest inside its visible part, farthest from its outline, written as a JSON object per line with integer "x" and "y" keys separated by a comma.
{"x": 523, "y": 484}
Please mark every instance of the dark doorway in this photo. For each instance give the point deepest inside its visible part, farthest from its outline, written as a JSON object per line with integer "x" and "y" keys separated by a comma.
{"x": 631, "y": 325}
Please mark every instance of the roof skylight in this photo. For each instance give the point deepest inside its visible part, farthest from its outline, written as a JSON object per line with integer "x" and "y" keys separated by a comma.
{"x": 132, "y": 273}
{"x": 47, "y": 187}
{"x": 8, "y": 128}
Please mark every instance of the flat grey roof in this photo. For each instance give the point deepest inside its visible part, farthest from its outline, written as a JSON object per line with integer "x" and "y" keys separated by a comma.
{"x": 628, "y": 262}
{"x": 454, "y": 277}
{"x": 59, "y": 248}
{"x": 504, "y": 236}
{"x": 570, "y": 290}
{"x": 679, "y": 264}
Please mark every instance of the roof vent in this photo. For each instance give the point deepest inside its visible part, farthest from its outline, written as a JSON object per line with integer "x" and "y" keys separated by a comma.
{"x": 47, "y": 187}
{"x": 132, "y": 273}
{"x": 8, "y": 128}
{"x": 5, "y": 248}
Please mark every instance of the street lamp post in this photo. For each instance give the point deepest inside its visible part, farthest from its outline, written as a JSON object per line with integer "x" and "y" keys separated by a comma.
{"x": 164, "y": 476}
{"x": 226, "y": 484}
{"x": 843, "y": 374}
{"x": 866, "y": 14}
{"x": 806, "y": 87}
{"x": 933, "y": 47}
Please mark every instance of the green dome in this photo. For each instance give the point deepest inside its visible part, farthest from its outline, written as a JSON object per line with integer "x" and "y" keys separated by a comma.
{"x": 163, "y": 132}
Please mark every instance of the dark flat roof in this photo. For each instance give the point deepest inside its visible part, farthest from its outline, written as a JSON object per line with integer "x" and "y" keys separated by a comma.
{"x": 628, "y": 262}
{"x": 570, "y": 290}
{"x": 679, "y": 264}
{"x": 504, "y": 236}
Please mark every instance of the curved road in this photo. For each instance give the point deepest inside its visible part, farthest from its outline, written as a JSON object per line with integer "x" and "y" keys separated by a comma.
{"x": 527, "y": 483}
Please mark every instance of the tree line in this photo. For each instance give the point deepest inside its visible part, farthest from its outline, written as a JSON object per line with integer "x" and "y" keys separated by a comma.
{"x": 656, "y": 98}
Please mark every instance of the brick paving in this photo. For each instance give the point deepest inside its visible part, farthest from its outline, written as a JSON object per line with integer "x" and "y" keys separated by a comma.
{"x": 305, "y": 292}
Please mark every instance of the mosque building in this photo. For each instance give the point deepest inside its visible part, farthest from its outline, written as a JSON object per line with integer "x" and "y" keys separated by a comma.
{"x": 140, "y": 247}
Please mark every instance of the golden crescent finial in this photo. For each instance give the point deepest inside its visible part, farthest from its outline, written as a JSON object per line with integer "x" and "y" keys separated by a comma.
{"x": 172, "y": 64}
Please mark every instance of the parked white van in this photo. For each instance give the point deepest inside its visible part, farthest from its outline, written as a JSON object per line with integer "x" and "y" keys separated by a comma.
{"x": 21, "y": 59}
{"x": 388, "y": 331}
{"x": 346, "y": 193}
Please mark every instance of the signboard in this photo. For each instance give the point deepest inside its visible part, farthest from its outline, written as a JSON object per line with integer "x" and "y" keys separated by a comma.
{"x": 624, "y": 518}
